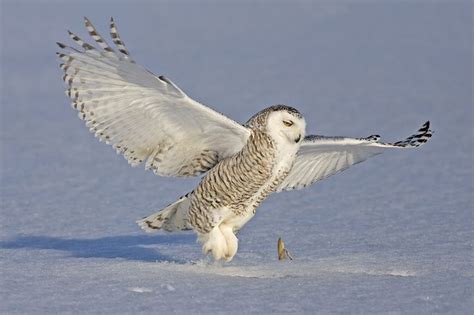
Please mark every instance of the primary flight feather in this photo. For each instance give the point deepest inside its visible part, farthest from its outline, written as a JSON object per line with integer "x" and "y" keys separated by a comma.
{"x": 150, "y": 120}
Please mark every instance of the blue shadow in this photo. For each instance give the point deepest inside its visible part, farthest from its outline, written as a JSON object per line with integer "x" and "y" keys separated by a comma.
{"x": 129, "y": 247}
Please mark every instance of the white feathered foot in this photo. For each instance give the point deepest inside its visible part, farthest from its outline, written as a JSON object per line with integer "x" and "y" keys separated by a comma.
{"x": 221, "y": 242}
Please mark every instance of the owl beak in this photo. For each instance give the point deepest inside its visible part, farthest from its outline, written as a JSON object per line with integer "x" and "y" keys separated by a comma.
{"x": 298, "y": 139}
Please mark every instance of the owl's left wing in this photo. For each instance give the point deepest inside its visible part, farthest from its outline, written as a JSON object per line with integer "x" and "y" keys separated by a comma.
{"x": 320, "y": 157}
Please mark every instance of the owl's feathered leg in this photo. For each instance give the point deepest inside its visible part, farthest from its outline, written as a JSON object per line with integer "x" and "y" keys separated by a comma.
{"x": 231, "y": 240}
{"x": 214, "y": 242}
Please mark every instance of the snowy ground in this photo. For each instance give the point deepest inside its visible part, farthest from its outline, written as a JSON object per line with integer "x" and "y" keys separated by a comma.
{"x": 393, "y": 234}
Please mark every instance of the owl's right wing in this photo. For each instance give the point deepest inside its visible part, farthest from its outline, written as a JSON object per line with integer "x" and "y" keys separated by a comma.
{"x": 320, "y": 157}
{"x": 144, "y": 117}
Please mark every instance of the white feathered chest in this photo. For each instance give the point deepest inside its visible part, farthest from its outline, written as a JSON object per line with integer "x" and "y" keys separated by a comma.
{"x": 239, "y": 184}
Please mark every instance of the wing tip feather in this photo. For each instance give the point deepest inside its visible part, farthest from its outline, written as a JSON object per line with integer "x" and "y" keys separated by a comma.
{"x": 417, "y": 139}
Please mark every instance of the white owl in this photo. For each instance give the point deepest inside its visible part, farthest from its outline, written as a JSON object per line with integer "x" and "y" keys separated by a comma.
{"x": 149, "y": 120}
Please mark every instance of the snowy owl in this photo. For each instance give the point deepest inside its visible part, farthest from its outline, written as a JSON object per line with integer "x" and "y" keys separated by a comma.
{"x": 149, "y": 119}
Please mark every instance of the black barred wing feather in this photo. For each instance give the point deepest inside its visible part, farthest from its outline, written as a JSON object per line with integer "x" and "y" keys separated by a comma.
{"x": 320, "y": 157}
{"x": 146, "y": 118}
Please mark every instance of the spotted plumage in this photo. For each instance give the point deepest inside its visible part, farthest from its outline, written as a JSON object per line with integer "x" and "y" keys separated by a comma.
{"x": 149, "y": 120}
{"x": 241, "y": 194}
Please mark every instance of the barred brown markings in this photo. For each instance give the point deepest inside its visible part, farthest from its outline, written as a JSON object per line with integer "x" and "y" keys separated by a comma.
{"x": 96, "y": 36}
{"x": 80, "y": 42}
{"x": 116, "y": 39}
{"x": 234, "y": 181}
{"x": 425, "y": 127}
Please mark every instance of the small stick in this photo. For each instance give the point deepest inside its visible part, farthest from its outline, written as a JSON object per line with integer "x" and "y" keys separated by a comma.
{"x": 283, "y": 253}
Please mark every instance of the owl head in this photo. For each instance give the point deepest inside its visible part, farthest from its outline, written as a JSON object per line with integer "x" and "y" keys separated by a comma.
{"x": 283, "y": 123}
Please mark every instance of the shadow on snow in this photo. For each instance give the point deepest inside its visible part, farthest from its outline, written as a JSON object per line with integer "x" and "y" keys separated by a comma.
{"x": 129, "y": 247}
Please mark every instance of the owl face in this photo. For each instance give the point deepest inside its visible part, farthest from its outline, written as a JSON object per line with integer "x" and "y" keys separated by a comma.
{"x": 286, "y": 125}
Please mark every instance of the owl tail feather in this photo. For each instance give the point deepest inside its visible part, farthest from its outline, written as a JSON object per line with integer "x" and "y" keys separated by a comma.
{"x": 172, "y": 218}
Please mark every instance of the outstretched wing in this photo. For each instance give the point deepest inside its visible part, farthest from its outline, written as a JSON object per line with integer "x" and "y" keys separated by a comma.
{"x": 320, "y": 157}
{"x": 144, "y": 117}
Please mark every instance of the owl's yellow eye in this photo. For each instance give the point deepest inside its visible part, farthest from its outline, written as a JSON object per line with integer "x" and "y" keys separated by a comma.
{"x": 288, "y": 123}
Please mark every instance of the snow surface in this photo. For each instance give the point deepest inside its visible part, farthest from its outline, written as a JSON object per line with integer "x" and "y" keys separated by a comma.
{"x": 393, "y": 234}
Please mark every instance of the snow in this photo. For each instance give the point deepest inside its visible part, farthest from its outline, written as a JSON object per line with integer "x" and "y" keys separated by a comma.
{"x": 393, "y": 234}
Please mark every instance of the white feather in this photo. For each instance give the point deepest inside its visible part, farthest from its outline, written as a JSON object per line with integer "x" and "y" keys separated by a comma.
{"x": 145, "y": 117}
{"x": 320, "y": 157}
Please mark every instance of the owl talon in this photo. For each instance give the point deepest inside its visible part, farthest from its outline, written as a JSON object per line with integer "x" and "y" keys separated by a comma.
{"x": 215, "y": 243}
{"x": 231, "y": 240}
